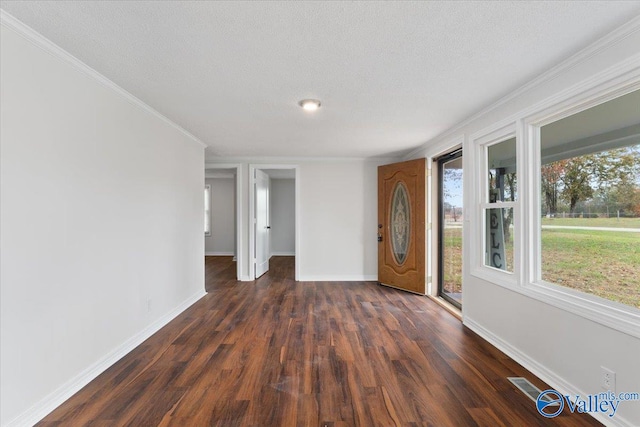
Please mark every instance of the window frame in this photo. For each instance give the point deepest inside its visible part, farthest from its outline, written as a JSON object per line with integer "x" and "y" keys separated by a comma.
{"x": 568, "y": 98}
{"x": 616, "y": 315}
{"x": 481, "y": 141}
{"x": 207, "y": 210}
{"x": 440, "y": 161}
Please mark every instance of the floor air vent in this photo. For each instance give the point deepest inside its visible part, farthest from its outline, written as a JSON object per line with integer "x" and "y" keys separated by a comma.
{"x": 529, "y": 389}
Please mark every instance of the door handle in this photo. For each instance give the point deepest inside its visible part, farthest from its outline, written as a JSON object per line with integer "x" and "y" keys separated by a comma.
{"x": 268, "y": 227}
{"x": 379, "y": 237}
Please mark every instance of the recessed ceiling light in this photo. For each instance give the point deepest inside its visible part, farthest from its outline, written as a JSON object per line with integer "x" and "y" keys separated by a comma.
{"x": 310, "y": 104}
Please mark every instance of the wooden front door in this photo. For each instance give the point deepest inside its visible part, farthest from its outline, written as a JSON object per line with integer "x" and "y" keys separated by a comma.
{"x": 401, "y": 225}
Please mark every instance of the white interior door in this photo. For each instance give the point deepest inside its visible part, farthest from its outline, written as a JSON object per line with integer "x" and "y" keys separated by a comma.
{"x": 262, "y": 223}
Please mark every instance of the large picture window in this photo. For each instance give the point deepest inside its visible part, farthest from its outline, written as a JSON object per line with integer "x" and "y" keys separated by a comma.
{"x": 557, "y": 191}
{"x": 590, "y": 201}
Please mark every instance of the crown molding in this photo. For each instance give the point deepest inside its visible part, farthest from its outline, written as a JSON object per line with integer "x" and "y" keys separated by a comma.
{"x": 47, "y": 45}
{"x": 214, "y": 161}
{"x": 593, "y": 49}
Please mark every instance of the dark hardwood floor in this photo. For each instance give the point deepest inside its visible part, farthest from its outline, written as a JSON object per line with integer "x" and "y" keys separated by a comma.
{"x": 276, "y": 352}
{"x": 218, "y": 271}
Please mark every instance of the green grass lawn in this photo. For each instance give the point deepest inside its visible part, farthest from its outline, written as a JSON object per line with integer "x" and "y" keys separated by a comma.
{"x": 594, "y": 222}
{"x": 602, "y": 263}
{"x": 452, "y": 278}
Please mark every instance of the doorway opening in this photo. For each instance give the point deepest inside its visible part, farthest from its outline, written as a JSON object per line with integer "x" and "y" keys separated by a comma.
{"x": 223, "y": 259}
{"x": 273, "y": 231}
{"x": 450, "y": 220}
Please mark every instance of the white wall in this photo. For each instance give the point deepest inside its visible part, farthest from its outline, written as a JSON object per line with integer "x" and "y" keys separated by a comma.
{"x": 100, "y": 224}
{"x": 339, "y": 216}
{"x": 336, "y": 216}
{"x": 564, "y": 349}
{"x": 223, "y": 217}
{"x": 283, "y": 216}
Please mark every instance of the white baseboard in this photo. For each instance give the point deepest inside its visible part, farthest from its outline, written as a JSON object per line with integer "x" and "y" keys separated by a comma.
{"x": 282, "y": 254}
{"x": 338, "y": 278}
{"x": 50, "y": 402}
{"x": 556, "y": 382}
{"x": 219, "y": 254}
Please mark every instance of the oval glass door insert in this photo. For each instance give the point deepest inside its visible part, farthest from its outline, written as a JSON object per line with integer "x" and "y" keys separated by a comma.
{"x": 400, "y": 223}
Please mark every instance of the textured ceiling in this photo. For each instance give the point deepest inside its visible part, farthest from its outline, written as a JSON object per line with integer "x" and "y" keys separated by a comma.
{"x": 390, "y": 75}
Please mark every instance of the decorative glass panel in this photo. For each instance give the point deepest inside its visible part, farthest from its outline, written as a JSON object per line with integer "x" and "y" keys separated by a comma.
{"x": 400, "y": 226}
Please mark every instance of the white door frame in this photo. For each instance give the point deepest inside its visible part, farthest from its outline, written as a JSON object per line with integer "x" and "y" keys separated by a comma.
{"x": 252, "y": 213}
{"x": 239, "y": 246}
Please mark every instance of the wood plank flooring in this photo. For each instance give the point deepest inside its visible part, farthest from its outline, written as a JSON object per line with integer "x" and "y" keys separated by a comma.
{"x": 219, "y": 271}
{"x": 276, "y": 352}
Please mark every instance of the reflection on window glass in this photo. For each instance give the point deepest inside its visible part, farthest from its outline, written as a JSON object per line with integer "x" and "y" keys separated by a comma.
{"x": 502, "y": 171}
{"x": 502, "y": 180}
{"x": 499, "y": 239}
{"x": 590, "y": 201}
